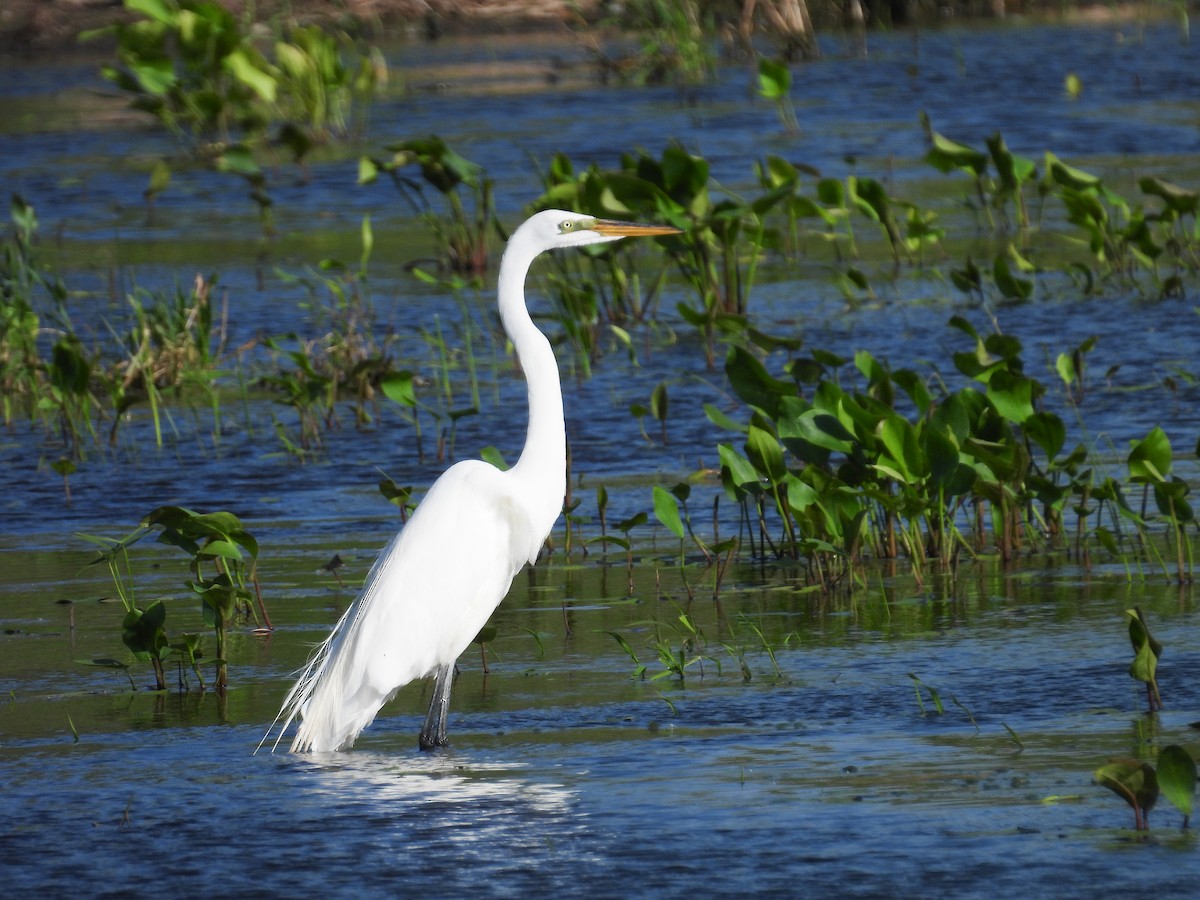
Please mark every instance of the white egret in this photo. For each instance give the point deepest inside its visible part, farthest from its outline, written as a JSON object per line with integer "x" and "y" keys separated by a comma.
{"x": 437, "y": 582}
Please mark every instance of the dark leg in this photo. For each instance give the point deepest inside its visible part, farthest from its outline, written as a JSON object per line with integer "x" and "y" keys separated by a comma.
{"x": 433, "y": 734}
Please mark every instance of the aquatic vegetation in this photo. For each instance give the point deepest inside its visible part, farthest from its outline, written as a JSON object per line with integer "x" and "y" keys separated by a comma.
{"x": 775, "y": 84}
{"x": 1118, "y": 241}
{"x": 1140, "y": 784}
{"x": 219, "y": 88}
{"x": 898, "y": 467}
{"x": 173, "y": 344}
{"x": 1146, "y": 653}
{"x": 717, "y": 254}
{"x": 935, "y": 696}
{"x": 215, "y": 541}
{"x": 24, "y": 279}
{"x": 463, "y": 238}
{"x": 202, "y": 73}
{"x": 676, "y": 43}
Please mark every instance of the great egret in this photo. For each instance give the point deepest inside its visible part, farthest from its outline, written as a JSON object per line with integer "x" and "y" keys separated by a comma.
{"x": 437, "y": 582}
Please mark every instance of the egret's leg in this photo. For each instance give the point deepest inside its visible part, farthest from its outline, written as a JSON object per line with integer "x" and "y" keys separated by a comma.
{"x": 433, "y": 734}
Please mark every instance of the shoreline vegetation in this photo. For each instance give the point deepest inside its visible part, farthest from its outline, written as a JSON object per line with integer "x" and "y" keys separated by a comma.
{"x": 33, "y": 27}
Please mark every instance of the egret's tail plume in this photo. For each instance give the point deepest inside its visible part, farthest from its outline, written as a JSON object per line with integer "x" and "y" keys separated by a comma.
{"x": 329, "y": 720}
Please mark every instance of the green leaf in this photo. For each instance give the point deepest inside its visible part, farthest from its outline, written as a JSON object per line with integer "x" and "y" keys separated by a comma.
{"x": 763, "y": 450}
{"x": 1011, "y": 394}
{"x": 158, "y": 10}
{"x": 946, "y": 155}
{"x": 1177, "y": 778}
{"x": 1150, "y": 459}
{"x": 659, "y": 402}
{"x": 247, "y": 67}
{"x": 666, "y": 509}
{"x": 368, "y": 170}
{"x": 774, "y": 79}
{"x": 1048, "y": 431}
{"x": 900, "y": 440}
{"x": 1010, "y": 285}
{"x": 1179, "y": 201}
{"x": 753, "y": 384}
{"x": 1132, "y": 780}
{"x": 721, "y": 420}
{"x": 740, "y": 470}
{"x": 398, "y": 387}
{"x": 220, "y": 548}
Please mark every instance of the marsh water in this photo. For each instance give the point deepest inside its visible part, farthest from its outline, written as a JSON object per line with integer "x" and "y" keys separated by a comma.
{"x": 800, "y": 755}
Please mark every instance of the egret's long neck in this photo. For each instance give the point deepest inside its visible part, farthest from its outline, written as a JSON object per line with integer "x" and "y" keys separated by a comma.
{"x": 543, "y": 463}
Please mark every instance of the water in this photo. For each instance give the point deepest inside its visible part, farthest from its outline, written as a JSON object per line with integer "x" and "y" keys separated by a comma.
{"x": 821, "y": 774}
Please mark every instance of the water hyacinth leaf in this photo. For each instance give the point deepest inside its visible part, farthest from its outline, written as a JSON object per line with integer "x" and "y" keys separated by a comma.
{"x": 666, "y": 509}
{"x": 221, "y": 548}
{"x": 1178, "y": 200}
{"x": 1012, "y": 395}
{"x": 399, "y": 388}
{"x": 946, "y": 470}
{"x": 1177, "y": 778}
{"x": 1150, "y": 459}
{"x": 721, "y": 420}
{"x": 1147, "y": 651}
{"x": 142, "y": 630}
{"x": 763, "y": 450}
{"x": 753, "y": 384}
{"x": 1134, "y": 782}
{"x": 801, "y": 496}
{"x": 899, "y": 438}
{"x": 1010, "y": 285}
{"x": 740, "y": 469}
{"x": 219, "y": 523}
{"x": 914, "y": 385}
{"x": 1047, "y": 431}
{"x": 1068, "y": 176}
{"x": 946, "y": 155}
{"x": 1171, "y": 499}
{"x": 815, "y": 427}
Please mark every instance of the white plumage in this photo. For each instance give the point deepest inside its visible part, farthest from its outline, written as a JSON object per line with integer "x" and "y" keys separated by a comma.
{"x": 437, "y": 582}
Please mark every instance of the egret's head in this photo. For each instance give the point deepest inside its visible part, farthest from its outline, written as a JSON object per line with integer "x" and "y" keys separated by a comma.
{"x": 559, "y": 228}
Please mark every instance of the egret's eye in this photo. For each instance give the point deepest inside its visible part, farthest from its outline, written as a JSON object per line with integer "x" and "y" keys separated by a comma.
{"x": 566, "y": 226}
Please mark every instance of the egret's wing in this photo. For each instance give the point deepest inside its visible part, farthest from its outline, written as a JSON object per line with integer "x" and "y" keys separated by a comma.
{"x": 424, "y": 601}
